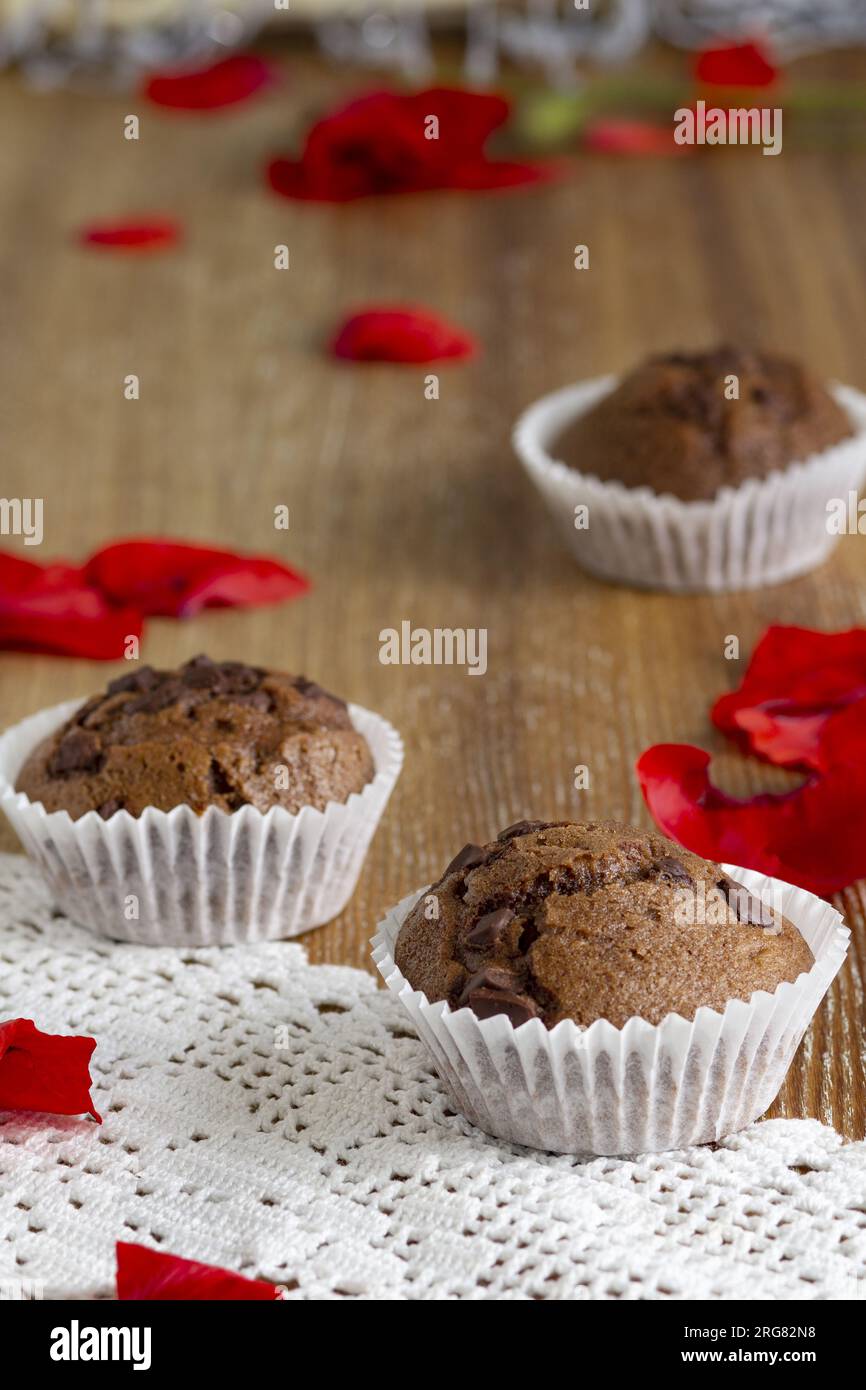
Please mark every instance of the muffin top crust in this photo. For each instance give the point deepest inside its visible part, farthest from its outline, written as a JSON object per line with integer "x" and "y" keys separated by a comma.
{"x": 211, "y": 733}
{"x": 668, "y": 425}
{"x": 555, "y": 920}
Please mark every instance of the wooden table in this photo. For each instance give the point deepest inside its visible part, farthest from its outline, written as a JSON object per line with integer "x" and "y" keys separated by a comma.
{"x": 403, "y": 507}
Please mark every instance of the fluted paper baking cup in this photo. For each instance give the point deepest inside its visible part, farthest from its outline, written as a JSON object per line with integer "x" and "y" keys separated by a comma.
{"x": 174, "y": 878}
{"x": 636, "y": 1089}
{"x": 764, "y": 531}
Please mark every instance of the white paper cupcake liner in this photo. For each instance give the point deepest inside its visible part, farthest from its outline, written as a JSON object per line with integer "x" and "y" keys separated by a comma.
{"x": 767, "y": 530}
{"x": 636, "y": 1089}
{"x": 173, "y": 878}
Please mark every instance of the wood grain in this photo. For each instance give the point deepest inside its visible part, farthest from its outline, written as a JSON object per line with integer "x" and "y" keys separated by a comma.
{"x": 402, "y": 507}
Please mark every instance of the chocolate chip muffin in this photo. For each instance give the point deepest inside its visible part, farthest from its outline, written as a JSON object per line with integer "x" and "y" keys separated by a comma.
{"x": 554, "y": 920}
{"x": 668, "y": 425}
{"x": 209, "y": 734}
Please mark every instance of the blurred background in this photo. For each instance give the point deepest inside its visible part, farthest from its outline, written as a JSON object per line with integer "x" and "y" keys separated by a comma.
{"x": 56, "y": 40}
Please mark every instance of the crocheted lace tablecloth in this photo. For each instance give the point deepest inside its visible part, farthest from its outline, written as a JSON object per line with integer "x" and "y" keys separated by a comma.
{"x": 282, "y": 1120}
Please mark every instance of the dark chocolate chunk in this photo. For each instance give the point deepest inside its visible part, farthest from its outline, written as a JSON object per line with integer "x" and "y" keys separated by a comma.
{"x": 203, "y": 678}
{"x": 518, "y": 1008}
{"x": 748, "y": 908}
{"x": 221, "y": 786}
{"x": 490, "y": 977}
{"x": 489, "y": 928}
{"x": 78, "y": 751}
{"x": 145, "y": 678}
{"x": 469, "y": 857}
{"x": 256, "y": 699}
{"x": 522, "y": 827}
{"x": 168, "y": 692}
{"x": 109, "y": 808}
{"x": 673, "y": 869}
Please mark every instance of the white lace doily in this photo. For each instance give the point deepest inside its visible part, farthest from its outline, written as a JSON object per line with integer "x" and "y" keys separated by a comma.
{"x": 280, "y": 1119}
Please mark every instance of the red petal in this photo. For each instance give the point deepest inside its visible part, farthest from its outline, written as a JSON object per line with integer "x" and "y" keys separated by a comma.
{"x": 612, "y": 135}
{"x": 378, "y": 144}
{"x": 44, "y": 1071}
{"x": 151, "y": 1275}
{"x": 735, "y": 65}
{"x": 814, "y": 836}
{"x": 796, "y": 680}
{"x": 151, "y": 235}
{"x": 225, "y": 83}
{"x": 175, "y": 579}
{"x": 54, "y": 609}
{"x": 400, "y": 334}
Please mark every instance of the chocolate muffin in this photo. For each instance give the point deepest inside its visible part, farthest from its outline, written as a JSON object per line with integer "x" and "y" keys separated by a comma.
{"x": 668, "y": 425}
{"x": 554, "y": 920}
{"x": 209, "y": 734}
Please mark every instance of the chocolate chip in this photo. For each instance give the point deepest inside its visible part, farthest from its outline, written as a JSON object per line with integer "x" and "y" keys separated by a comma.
{"x": 668, "y": 867}
{"x": 749, "y": 909}
{"x": 168, "y": 692}
{"x": 490, "y": 977}
{"x": 240, "y": 678}
{"x": 145, "y": 678}
{"x": 523, "y": 827}
{"x": 109, "y": 808}
{"x": 78, "y": 751}
{"x": 202, "y": 677}
{"x": 256, "y": 699}
{"x": 312, "y": 690}
{"x": 518, "y": 1008}
{"x": 197, "y": 663}
{"x": 489, "y": 928}
{"x": 469, "y": 857}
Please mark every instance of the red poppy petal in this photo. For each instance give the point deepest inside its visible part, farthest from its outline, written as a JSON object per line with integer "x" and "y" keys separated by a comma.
{"x": 151, "y": 235}
{"x": 735, "y": 65}
{"x": 226, "y": 83}
{"x": 386, "y": 142}
{"x": 796, "y": 680}
{"x": 814, "y": 836}
{"x": 400, "y": 335}
{"x": 153, "y": 1275}
{"x": 176, "y": 579}
{"x": 53, "y": 609}
{"x": 44, "y": 1071}
{"x": 612, "y": 135}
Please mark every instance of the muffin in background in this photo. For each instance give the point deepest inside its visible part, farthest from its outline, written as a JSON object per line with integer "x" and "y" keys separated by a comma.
{"x": 595, "y": 988}
{"x": 669, "y": 426}
{"x": 218, "y": 804}
{"x": 674, "y": 477}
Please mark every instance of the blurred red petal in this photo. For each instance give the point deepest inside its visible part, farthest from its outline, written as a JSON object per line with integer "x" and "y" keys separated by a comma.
{"x": 814, "y": 836}
{"x": 796, "y": 681}
{"x": 175, "y": 579}
{"x": 611, "y": 135}
{"x": 46, "y": 1072}
{"x": 152, "y": 235}
{"x": 388, "y": 142}
{"x": 152, "y": 1275}
{"x": 226, "y": 83}
{"x": 736, "y": 65}
{"x": 400, "y": 334}
{"x": 54, "y": 609}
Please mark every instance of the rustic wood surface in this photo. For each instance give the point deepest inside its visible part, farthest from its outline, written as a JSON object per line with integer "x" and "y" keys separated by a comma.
{"x": 402, "y": 507}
